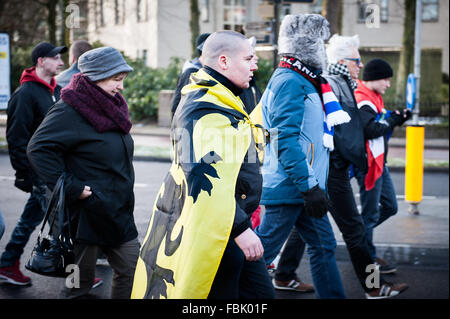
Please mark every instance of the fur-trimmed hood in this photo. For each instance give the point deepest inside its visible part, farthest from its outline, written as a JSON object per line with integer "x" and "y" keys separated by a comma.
{"x": 302, "y": 36}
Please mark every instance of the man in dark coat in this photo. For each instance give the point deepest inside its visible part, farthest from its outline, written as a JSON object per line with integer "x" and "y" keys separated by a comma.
{"x": 189, "y": 67}
{"x": 26, "y": 110}
{"x": 349, "y": 140}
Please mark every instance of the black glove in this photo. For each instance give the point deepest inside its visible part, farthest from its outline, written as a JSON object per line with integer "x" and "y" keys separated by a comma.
{"x": 396, "y": 119}
{"x": 23, "y": 182}
{"x": 316, "y": 202}
{"x": 407, "y": 114}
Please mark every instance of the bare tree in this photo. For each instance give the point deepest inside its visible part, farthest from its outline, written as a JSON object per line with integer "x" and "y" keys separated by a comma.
{"x": 51, "y": 6}
{"x": 406, "y": 63}
{"x": 332, "y": 11}
{"x": 25, "y": 31}
{"x": 194, "y": 25}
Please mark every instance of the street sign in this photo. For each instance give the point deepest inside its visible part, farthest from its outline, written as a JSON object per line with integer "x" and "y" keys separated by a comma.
{"x": 5, "y": 71}
{"x": 411, "y": 92}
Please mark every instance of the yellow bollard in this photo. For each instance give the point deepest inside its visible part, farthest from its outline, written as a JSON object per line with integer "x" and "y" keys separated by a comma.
{"x": 414, "y": 166}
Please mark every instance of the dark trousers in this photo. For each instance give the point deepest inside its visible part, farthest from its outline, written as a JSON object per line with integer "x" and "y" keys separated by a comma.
{"x": 290, "y": 257}
{"x": 238, "y": 278}
{"x": 350, "y": 223}
{"x": 31, "y": 217}
{"x": 122, "y": 260}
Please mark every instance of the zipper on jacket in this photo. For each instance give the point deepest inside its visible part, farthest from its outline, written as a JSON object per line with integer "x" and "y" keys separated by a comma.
{"x": 310, "y": 148}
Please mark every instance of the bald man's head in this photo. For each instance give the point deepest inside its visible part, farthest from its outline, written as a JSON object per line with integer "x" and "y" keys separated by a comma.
{"x": 229, "y": 53}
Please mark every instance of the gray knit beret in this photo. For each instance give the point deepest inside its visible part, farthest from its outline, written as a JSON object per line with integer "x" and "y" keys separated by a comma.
{"x": 102, "y": 63}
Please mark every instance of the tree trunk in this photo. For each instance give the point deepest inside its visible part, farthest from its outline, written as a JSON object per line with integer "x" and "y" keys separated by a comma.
{"x": 51, "y": 20}
{"x": 332, "y": 11}
{"x": 406, "y": 62}
{"x": 194, "y": 25}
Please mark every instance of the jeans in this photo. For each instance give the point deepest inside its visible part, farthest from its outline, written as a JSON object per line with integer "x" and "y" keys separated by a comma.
{"x": 2, "y": 225}
{"x": 290, "y": 257}
{"x": 277, "y": 223}
{"x": 350, "y": 223}
{"x": 238, "y": 278}
{"x": 377, "y": 204}
{"x": 31, "y": 217}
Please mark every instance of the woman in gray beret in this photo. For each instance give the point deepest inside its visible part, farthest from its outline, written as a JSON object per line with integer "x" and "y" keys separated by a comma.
{"x": 86, "y": 136}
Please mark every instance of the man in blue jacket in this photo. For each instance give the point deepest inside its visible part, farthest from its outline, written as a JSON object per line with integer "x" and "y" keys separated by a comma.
{"x": 76, "y": 50}
{"x": 296, "y": 159}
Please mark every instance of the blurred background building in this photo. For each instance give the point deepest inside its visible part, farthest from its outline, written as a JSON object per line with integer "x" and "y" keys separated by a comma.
{"x": 155, "y": 30}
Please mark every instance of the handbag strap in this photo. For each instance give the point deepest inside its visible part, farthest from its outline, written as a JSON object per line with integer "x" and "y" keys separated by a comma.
{"x": 54, "y": 196}
{"x": 64, "y": 217}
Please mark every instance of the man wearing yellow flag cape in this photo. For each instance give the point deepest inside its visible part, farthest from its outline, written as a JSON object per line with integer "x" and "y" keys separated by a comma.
{"x": 199, "y": 242}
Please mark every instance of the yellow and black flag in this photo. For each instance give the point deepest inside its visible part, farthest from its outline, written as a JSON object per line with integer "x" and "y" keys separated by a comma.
{"x": 194, "y": 211}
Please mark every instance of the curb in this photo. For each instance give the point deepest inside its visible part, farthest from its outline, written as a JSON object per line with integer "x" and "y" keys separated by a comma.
{"x": 425, "y": 169}
{"x": 149, "y": 158}
{"x": 404, "y": 254}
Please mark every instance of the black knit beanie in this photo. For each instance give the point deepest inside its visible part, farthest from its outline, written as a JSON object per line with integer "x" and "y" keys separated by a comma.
{"x": 377, "y": 69}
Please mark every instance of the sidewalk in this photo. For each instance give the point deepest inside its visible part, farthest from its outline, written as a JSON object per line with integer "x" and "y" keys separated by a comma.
{"x": 153, "y": 143}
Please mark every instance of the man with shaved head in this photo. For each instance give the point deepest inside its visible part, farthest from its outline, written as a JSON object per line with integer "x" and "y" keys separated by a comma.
{"x": 202, "y": 213}
{"x": 77, "y": 48}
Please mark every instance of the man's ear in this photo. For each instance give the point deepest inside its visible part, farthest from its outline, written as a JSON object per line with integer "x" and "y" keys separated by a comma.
{"x": 223, "y": 62}
{"x": 40, "y": 62}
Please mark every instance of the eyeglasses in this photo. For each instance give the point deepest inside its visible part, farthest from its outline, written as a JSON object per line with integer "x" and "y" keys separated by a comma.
{"x": 356, "y": 60}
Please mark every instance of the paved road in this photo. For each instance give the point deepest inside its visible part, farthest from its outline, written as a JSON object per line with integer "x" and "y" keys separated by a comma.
{"x": 424, "y": 268}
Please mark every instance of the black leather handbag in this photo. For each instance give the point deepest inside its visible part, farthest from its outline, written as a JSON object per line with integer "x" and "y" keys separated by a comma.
{"x": 52, "y": 255}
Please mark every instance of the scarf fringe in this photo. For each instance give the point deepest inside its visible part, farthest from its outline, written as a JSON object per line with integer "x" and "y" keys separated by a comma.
{"x": 328, "y": 141}
{"x": 337, "y": 118}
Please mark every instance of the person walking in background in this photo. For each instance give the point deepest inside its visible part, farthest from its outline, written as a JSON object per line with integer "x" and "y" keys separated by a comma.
{"x": 76, "y": 50}
{"x": 343, "y": 71}
{"x": 27, "y": 108}
{"x": 189, "y": 67}
{"x": 377, "y": 193}
{"x": 285, "y": 275}
{"x": 296, "y": 158}
{"x": 86, "y": 135}
{"x": 202, "y": 212}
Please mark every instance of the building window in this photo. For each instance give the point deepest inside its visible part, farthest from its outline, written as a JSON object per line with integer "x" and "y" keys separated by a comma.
{"x": 374, "y": 10}
{"x": 384, "y": 11}
{"x": 204, "y": 10}
{"x": 141, "y": 10}
{"x": 285, "y": 10}
{"x": 116, "y": 12}
{"x": 430, "y": 10}
{"x": 101, "y": 16}
{"x": 317, "y": 7}
{"x": 144, "y": 56}
{"x": 138, "y": 10}
{"x": 362, "y": 15}
{"x": 234, "y": 12}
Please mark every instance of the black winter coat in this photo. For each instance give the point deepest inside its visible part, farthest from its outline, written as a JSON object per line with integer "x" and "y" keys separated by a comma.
{"x": 65, "y": 141}
{"x": 27, "y": 108}
{"x": 349, "y": 141}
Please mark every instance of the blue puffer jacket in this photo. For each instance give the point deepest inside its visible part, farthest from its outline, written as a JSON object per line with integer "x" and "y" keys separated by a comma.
{"x": 295, "y": 160}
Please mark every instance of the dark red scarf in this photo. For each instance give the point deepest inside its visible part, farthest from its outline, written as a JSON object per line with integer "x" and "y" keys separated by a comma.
{"x": 102, "y": 110}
